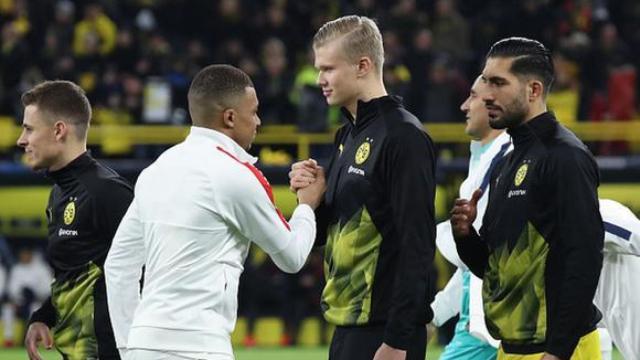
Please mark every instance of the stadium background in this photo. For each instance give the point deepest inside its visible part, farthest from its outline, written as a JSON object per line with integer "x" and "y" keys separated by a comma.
{"x": 135, "y": 59}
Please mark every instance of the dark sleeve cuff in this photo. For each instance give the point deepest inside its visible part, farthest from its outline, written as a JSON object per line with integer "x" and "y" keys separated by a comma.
{"x": 45, "y": 314}
{"x": 473, "y": 252}
{"x": 396, "y": 340}
{"x": 562, "y": 348}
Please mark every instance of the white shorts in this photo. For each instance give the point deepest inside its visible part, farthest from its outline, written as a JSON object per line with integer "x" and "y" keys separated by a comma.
{"x": 618, "y": 299}
{"x": 142, "y": 354}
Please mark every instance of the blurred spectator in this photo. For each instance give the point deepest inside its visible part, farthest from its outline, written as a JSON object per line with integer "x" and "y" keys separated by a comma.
{"x": 306, "y": 95}
{"x": 450, "y": 31}
{"x": 15, "y": 59}
{"x": 563, "y": 99}
{"x": 445, "y": 93}
{"x": 95, "y": 34}
{"x": 273, "y": 85}
{"x": 609, "y": 53}
{"x": 533, "y": 19}
{"x": 419, "y": 61}
{"x": 28, "y": 285}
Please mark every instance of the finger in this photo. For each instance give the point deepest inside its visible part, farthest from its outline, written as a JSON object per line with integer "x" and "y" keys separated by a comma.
{"x": 460, "y": 202}
{"x": 298, "y": 165}
{"x": 297, "y": 185}
{"x": 475, "y": 197}
{"x": 310, "y": 164}
{"x": 32, "y": 349}
{"x": 303, "y": 171}
{"x": 463, "y": 209}
{"x": 48, "y": 340}
{"x": 459, "y": 219}
{"x": 303, "y": 178}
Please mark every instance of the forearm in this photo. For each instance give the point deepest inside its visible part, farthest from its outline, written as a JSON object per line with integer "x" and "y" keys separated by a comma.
{"x": 473, "y": 252}
{"x": 301, "y": 239}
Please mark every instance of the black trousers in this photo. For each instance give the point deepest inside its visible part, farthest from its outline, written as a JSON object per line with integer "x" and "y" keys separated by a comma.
{"x": 361, "y": 343}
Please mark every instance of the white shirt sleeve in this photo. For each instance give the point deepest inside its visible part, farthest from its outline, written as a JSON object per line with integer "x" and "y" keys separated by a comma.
{"x": 622, "y": 228}
{"x": 122, "y": 271}
{"x": 448, "y": 301}
{"x": 246, "y": 205}
{"x": 447, "y": 246}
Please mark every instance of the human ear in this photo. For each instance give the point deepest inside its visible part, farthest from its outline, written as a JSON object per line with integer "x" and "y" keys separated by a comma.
{"x": 364, "y": 66}
{"x": 229, "y": 118}
{"x": 60, "y": 130}
{"x": 535, "y": 90}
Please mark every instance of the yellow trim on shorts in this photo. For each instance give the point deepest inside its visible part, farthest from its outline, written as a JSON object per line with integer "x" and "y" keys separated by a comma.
{"x": 588, "y": 349}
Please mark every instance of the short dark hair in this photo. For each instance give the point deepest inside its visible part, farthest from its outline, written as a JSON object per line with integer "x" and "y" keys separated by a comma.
{"x": 532, "y": 58}
{"x": 61, "y": 100}
{"x": 215, "y": 88}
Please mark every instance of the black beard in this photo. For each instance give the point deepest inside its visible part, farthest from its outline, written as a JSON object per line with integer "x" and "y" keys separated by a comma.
{"x": 508, "y": 120}
{"x": 513, "y": 115}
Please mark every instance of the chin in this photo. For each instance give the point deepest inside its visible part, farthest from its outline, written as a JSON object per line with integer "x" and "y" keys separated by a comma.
{"x": 497, "y": 123}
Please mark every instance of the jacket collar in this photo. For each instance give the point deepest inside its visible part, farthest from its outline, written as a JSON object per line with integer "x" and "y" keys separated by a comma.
{"x": 222, "y": 140}
{"x": 368, "y": 111}
{"x": 535, "y": 129}
{"x": 67, "y": 174}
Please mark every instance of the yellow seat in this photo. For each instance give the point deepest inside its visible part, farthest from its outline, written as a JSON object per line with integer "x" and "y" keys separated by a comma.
{"x": 239, "y": 332}
{"x": 18, "y": 331}
{"x": 268, "y": 331}
{"x": 310, "y": 333}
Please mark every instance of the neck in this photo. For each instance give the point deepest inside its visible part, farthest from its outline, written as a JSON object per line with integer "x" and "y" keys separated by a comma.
{"x": 536, "y": 109}
{"x": 491, "y": 135}
{"x": 372, "y": 89}
{"x": 71, "y": 153}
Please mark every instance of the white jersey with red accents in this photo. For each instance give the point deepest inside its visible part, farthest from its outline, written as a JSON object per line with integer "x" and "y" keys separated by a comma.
{"x": 196, "y": 210}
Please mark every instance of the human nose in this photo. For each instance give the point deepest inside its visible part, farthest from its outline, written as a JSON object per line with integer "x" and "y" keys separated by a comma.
{"x": 22, "y": 140}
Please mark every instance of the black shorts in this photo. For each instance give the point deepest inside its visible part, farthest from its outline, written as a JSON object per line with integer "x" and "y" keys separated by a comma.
{"x": 362, "y": 342}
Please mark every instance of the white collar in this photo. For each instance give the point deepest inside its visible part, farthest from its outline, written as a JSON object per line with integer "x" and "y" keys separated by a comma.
{"x": 222, "y": 140}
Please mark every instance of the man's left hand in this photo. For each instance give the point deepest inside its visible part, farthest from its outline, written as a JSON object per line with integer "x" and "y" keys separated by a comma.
{"x": 386, "y": 352}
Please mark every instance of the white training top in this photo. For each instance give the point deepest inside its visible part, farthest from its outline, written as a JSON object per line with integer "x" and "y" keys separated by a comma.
{"x": 196, "y": 210}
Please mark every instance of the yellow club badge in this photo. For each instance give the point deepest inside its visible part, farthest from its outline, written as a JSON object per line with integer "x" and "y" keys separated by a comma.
{"x": 69, "y": 213}
{"x": 521, "y": 174}
{"x": 362, "y": 154}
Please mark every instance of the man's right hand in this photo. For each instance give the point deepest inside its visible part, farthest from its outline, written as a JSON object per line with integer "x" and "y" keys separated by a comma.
{"x": 302, "y": 174}
{"x": 463, "y": 215}
{"x": 38, "y": 332}
{"x": 313, "y": 193}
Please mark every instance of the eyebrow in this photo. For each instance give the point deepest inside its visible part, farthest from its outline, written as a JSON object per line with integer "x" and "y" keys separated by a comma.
{"x": 496, "y": 79}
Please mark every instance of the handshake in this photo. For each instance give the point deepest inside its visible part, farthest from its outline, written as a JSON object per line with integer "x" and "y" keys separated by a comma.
{"x": 307, "y": 181}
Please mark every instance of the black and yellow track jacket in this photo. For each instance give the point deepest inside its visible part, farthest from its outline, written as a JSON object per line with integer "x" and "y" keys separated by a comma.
{"x": 378, "y": 222}
{"x": 539, "y": 251}
{"x": 85, "y": 207}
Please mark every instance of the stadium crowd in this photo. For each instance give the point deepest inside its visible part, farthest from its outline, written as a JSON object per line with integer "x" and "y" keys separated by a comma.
{"x": 136, "y": 58}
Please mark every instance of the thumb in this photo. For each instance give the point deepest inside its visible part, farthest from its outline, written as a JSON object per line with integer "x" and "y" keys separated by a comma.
{"x": 475, "y": 197}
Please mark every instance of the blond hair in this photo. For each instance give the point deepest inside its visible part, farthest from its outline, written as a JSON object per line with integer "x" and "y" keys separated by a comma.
{"x": 360, "y": 37}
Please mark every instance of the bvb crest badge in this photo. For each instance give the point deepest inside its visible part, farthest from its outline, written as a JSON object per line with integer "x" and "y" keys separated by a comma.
{"x": 69, "y": 213}
{"x": 363, "y": 153}
{"x": 521, "y": 174}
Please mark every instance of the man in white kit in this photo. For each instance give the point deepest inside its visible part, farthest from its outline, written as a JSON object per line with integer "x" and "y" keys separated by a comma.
{"x": 196, "y": 210}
